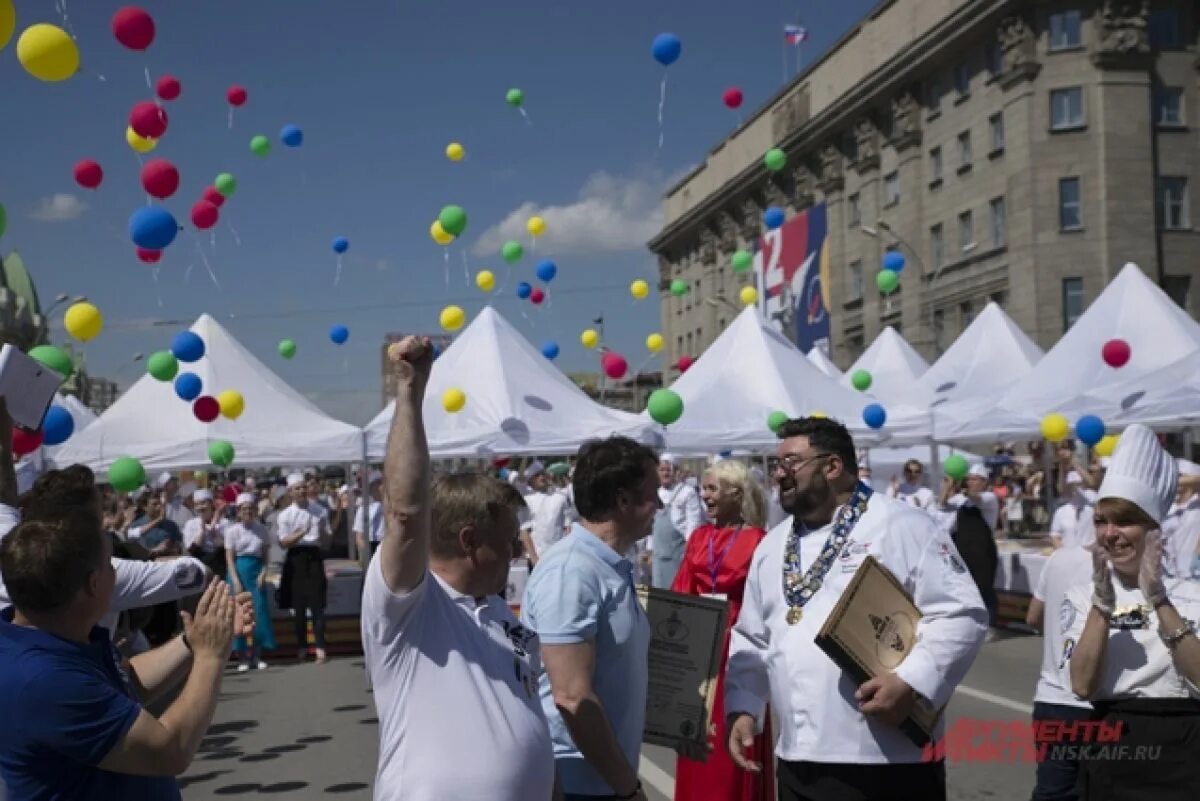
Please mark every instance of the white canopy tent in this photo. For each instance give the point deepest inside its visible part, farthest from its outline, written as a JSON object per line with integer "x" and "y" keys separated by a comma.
{"x": 823, "y": 363}
{"x": 150, "y": 423}
{"x": 752, "y": 370}
{"x": 895, "y": 370}
{"x": 82, "y": 415}
{"x": 984, "y": 361}
{"x": 518, "y": 402}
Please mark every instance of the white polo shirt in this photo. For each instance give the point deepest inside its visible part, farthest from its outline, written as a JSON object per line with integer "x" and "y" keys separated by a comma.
{"x": 246, "y": 540}
{"x": 453, "y": 675}
{"x": 374, "y": 520}
{"x": 293, "y": 519}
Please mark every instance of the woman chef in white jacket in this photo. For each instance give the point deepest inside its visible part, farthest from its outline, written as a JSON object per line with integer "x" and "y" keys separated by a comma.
{"x": 1137, "y": 657}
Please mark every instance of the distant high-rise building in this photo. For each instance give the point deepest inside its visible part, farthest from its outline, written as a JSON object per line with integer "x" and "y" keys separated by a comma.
{"x": 388, "y": 368}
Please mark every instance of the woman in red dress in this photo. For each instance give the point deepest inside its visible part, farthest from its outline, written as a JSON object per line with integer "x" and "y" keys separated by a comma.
{"x": 716, "y": 563}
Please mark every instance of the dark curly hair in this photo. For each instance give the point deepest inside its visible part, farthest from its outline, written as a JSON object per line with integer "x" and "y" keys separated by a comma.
{"x": 826, "y": 435}
{"x": 60, "y": 491}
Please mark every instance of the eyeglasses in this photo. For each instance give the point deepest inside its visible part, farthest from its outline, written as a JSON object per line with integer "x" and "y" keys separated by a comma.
{"x": 791, "y": 463}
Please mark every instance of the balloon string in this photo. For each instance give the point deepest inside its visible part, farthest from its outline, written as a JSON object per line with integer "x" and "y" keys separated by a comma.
{"x": 338, "y": 275}
{"x": 662, "y": 104}
{"x": 212, "y": 241}
{"x": 231, "y": 118}
{"x": 61, "y": 7}
{"x": 154, "y": 275}
{"x": 208, "y": 266}
{"x": 466, "y": 269}
{"x": 149, "y": 85}
{"x": 523, "y": 114}
{"x": 236, "y": 239}
{"x": 188, "y": 272}
{"x": 507, "y": 277}
{"x": 446, "y": 266}
{"x": 523, "y": 314}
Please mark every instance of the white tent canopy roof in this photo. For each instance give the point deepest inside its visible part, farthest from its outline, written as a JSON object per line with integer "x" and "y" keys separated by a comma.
{"x": 82, "y": 415}
{"x": 518, "y": 402}
{"x": 895, "y": 369}
{"x": 150, "y": 423}
{"x": 824, "y": 363}
{"x": 985, "y": 360}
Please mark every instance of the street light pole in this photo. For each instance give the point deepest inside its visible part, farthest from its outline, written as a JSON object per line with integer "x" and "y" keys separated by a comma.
{"x": 929, "y": 280}
{"x": 59, "y": 300}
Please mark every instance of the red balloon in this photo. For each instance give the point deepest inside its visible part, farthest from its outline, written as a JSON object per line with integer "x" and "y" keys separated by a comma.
{"x": 236, "y": 96}
{"x": 204, "y": 214}
{"x": 214, "y": 197}
{"x": 149, "y": 256}
{"x": 168, "y": 88}
{"x": 24, "y": 442}
{"x": 160, "y": 178}
{"x": 206, "y": 409}
{"x": 229, "y": 493}
{"x": 614, "y": 365}
{"x": 500, "y": 461}
{"x": 732, "y": 97}
{"x": 684, "y": 363}
{"x": 536, "y": 297}
{"x": 133, "y": 27}
{"x": 88, "y": 174}
{"x": 148, "y": 120}
{"x": 1116, "y": 352}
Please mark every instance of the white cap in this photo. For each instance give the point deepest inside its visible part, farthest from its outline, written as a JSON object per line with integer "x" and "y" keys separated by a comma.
{"x": 250, "y": 482}
{"x": 1074, "y": 478}
{"x": 978, "y": 470}
{"x": 162, "y": 480}
{"x": 344, "y": 489}
{"x": 669, "y": 458}
{"x": 1187, "y": 468}
{"x": 534, "y": 469}
{"x": 246, "y": 498}
{"x": 294, "y": 479}
{"x": 1105, "y": 461}
{"x": 201, "y": 495}
{"x": 1142, "y": 473}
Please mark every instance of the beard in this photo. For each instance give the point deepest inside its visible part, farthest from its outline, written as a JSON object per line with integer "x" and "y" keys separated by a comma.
{"x": 804, "y": 501}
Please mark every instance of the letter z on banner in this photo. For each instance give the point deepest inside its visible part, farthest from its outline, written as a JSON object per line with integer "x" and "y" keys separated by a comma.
{"x": 792, "y": 270}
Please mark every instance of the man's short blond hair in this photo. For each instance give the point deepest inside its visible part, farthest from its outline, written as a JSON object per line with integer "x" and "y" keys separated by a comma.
{"x": 467, "y": 499}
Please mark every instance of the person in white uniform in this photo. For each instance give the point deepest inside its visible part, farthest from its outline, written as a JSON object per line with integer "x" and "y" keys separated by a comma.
{"x": 837, "y": 739}
{"x": 970, "y": 515}
{"x": 303, "y": 585}
{"x": 204, "y": 534}
{"x": 369, "y": 536}
{"x": 910, "y": 489}
{"x": 246, "y": 548}
{"x": 173, "y": 506}
{"x": 1073, "y": 509}
{"x": 547, "y": 512}
{"x": 1181, "y": 526}
{"x": 679, "y": 517}
{"x": 448, "y": 661}
{"x": 1137, "y": 657}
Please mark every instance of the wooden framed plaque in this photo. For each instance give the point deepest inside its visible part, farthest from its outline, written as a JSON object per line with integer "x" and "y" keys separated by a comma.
{"x": 686, "y": 634}
{"x": 871, "y": 630}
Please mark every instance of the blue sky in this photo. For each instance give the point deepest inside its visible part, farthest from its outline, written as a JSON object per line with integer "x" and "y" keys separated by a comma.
{"x": 380, "y": 89}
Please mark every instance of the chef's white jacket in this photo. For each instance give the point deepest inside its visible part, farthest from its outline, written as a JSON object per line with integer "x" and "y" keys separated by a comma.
{"x": 769, "y": 659}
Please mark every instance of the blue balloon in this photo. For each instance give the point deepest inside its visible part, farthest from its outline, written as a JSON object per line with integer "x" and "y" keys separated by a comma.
{"x": 666, "y": 48}
{"x": 188, "y": 386}
{"x": 546, "y": 270}
{"x": 187, "y": 347}
{"x": 291, "y": 136}
{"x": 773, "y": 217}
{"x": 57, "y": 426}
{"x": 437, "y": 351}
{"x": 875, "y": 416}
{"x": 504, "y": 474}
{"x": 893, "y": 260}
{"x": 339, "y": 334}
{"x": 550, "y": 350}
{"x": 340, "y": 244}
{"x": 524, "y": 290}
{"x": 152, "y": 228}
{"x": 1089, "y": 429}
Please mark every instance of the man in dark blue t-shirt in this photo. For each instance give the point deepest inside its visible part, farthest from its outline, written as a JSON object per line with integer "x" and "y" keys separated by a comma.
{"x": 75, "y": 726}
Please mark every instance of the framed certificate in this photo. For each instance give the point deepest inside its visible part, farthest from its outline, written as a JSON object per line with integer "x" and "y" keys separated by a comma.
{"x": 686, "y": 635}
{"x": 871, "y": 630}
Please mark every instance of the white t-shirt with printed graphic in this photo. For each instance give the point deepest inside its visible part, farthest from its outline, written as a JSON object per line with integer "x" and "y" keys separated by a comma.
{"x": 1066, "y": 568}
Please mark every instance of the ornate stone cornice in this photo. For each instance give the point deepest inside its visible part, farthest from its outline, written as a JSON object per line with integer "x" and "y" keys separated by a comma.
{"x": 1018, "y": 48}
{"x": 906, "y": 121}
{"x": 866, "y": 140}
{"x": 832, "y": 178}
{"x": 751, "y": 219}
{"x": 774, "y": 192}
{"x": 803, "y": 186}
{"x": 728, "y": 226}
{"x": 790, "y": 115}
{"x": 1122, "y": 35}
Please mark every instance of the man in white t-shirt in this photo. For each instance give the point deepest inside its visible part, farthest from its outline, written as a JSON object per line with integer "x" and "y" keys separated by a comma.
{"x": 368, "y": 538}
{"x": 173, "y": 506}
{"x": 1075, "y": 507}
{"x": 1181, "y": 526}
{"x": 453, "y": 671}
{"x": 547, "y": 512}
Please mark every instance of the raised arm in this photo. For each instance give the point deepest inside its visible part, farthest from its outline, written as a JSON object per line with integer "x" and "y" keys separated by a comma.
{"x": 404, "y": 553}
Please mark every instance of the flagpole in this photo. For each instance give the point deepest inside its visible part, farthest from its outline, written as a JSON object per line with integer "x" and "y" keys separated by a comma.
{"x": 783, "y": 57}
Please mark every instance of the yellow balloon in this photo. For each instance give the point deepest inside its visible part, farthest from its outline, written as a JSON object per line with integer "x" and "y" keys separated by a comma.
{"x": 818, "y": 415}
{"x": 536, "y": 226}
{"x": 232, "y": 403}
{"x": 8, "y": 21}
{"x": 455, "y": 151}
{"x": 83, "y": 321}
{"x": 748, "y": 296}
{"x": 485, "y": 280}
{"x": 1107, "y": 444}
{"x": 439, "y": 234}
{"x": 589, "y": 338}
{"x": 1055, "y": 427}
{"x": 453, "y": 400}
{"x": 139, "y": 144}
{"x": 48, "y": 53}
{"x": 452, "y": 318}
{"x": 639, "y": 289}
{"x": 654, "y": 343}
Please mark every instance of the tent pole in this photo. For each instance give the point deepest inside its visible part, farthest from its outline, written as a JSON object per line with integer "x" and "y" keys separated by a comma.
{"x": 364, "y": 489}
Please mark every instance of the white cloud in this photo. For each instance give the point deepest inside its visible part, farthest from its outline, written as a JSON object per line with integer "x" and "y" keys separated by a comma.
{"x": 613, "y": 214}
{"x": 59, "y": 208}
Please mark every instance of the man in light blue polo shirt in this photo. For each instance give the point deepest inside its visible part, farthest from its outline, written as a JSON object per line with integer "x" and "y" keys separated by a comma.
{"x": 594, "y": 634}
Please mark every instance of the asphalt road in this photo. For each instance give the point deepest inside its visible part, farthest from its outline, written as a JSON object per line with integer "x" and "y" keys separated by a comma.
{"x": 309, "y": 732}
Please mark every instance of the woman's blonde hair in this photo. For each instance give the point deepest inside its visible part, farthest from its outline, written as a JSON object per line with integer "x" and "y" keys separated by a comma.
{"x": 736, "y": 475}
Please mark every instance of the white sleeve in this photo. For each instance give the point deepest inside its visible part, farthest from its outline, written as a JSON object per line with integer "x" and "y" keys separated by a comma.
{"x": 148, "y": 583}
{"x": 558, "y": 513}
{"x": 1039, "y": 591}
{"x": 191, "y": 532}
{"x": 10, "y": 518}
{"x": 747, "y": 683}
{"x": 356, "y": 525}
{"x": 692, "y": 518}
{"x": 386, "y": 615}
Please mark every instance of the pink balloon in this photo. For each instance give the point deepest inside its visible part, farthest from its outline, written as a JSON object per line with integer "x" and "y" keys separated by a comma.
{"x": 149, "y": 256}
{"x": 24, "y": 442}
{"x": 88, "y": 174}
{"x": 536, "y": 297}
{"x": 614, "y": 365}
{"x": 168, "y": 88}
{"x": 206, "y": 409}
{"x": 160, "y": 179}
{"x": 1116, "y": 352}
{"x": 732, "y": 97}
{"x": 133, "y": 27}
{"x": 684, "y": 363}
{"x": 236, "y": 96}
{"x": 148, "y": 120}
{"x": 204, "y": 214}
{"x": 214, "y": 197}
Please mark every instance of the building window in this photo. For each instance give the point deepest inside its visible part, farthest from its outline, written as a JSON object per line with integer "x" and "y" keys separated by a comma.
{"x": 689, "y": 351}
{"x": 1172, "y": 198}
{"x": 679, "y": 346}
{"x": 853, "y": 214}
{"x": 964, "y": 150}
{"x": 855, "y": 283}
{"x": 966, "y": 231}
{"x": 1066, "y": 109}
{"x": 1070, "y": 209}
{"x": 966, "y": 313}
{"x": 1164, "y": 30}
{"x": 1169, "y": 100}
{"x": 999, "y": 223}
{"x": 1178, "y": 288}
{"x": 1065, "y": 31}
{"x": 935, "y": 163}
{"x": 1072, "y": 301}
{"x": 996, "y": 126}
{"x": 891, "y": 188}
{"x": 962, "y": 80}
{"x": 937, "y": 246}
{"x": 995, "y": 59}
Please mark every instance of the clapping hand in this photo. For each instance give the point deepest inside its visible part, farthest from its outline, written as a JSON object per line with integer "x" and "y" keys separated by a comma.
{"x": 1104, "y": 594}
{"x": 210, "y": 631}
{"x": 244, "y": 620}
{"x": 1150, "y": 579}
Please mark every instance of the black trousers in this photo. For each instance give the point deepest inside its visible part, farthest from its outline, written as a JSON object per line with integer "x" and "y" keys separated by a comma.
{"x": 827, "y": 781}
{"x": 1156, "y": 757}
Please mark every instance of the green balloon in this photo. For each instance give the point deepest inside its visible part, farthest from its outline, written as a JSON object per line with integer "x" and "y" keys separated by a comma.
{"x": 260, "y": 146}
{"x": 515, "y": 98}
{"x": 679, "y": 287}
{"x": 775, "y": 159}
{"x": 55, "y": 359}
{"x": 287, "y": 348}
{"x": 226, "y": 184}
{"x": 163, "y": 365}
{"x": 3, "y": 219}
{"x": 887, "y": 281}
{"x": 512, "y": 251}
{"x": 956, "y": 466}
{"x": 664, "y": 406}
{"x": 220, "y": 453}
{"x": 126, "y": 474}
{"x": 860, "y": 380}
{"x": 742, "y": 261}
{"x": 453, "y": 220}
{"x": 775, "y": 420}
